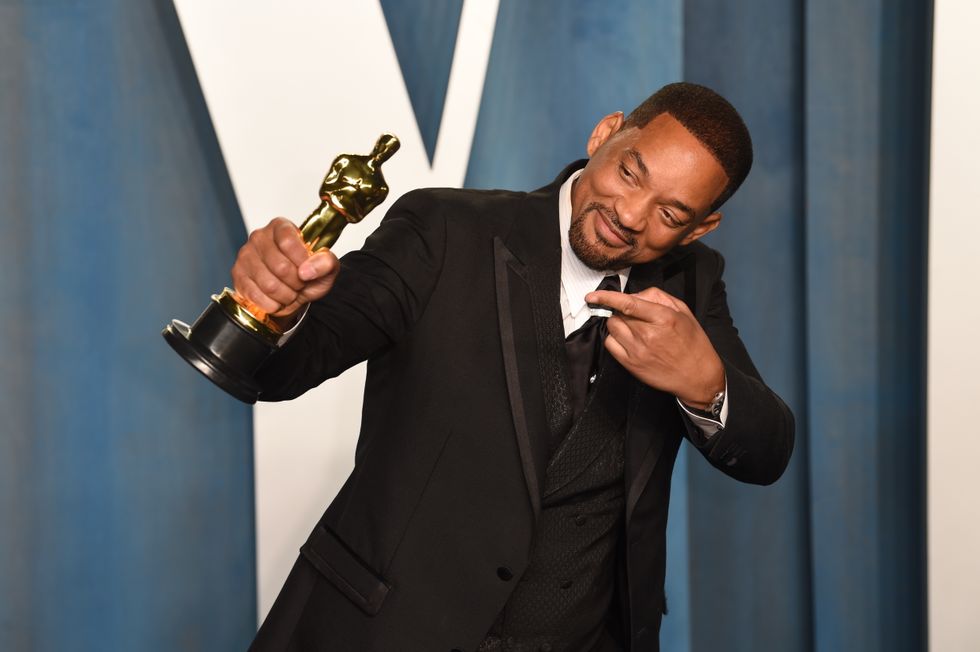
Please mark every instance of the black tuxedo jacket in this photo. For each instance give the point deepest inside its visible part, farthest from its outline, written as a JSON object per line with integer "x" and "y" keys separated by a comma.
{"x": 422, "y": 546}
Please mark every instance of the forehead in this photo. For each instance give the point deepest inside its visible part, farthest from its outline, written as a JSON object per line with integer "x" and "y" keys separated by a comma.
{"x": 674, "y": 157}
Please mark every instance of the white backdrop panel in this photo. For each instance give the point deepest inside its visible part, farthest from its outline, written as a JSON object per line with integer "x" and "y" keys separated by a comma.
{"x": 954, "y": 315}
{"x": 289, "y": 85}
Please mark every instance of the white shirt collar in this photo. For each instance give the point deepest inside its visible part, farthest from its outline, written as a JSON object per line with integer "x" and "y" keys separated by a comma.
{"x": 577, "y": 278}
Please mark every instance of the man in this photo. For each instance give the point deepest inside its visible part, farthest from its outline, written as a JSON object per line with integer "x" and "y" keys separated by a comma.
{"x": 512, "y": 473}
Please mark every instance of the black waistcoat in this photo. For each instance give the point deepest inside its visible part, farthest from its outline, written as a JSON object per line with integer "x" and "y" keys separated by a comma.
{"x": 564, "y": 598}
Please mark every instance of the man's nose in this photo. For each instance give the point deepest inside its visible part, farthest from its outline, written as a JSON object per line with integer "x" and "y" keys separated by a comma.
{"x": 630, "y": 211}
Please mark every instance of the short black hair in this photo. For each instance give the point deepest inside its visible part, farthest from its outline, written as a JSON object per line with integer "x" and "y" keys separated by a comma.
{"x": 711, "y": 119}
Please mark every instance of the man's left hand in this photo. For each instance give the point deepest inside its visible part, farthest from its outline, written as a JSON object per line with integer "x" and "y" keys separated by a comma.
{"x": 657, "y": 339}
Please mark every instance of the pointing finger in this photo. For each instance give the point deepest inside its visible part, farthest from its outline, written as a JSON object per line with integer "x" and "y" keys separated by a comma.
{"x": 629, "y": 305}
{"x": 656, "y": 295}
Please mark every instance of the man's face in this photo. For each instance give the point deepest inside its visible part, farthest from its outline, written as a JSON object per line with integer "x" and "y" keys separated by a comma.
{"x": 643, "y": 192}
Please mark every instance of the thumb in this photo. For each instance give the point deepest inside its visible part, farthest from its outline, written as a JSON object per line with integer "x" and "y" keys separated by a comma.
{"x": 318, "y": 265}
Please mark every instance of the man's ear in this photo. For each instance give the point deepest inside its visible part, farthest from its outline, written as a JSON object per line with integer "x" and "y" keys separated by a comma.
{"x": 706, "y": 226}
{"x": 604, "y": 130}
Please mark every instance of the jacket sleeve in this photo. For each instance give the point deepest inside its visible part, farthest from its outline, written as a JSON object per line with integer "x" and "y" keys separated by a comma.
{"x": 757, "y": 441}
{"x": 380, "y": 292}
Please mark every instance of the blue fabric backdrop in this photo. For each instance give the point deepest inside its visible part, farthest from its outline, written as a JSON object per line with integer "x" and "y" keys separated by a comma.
{"x": 126, "y": 481}
{"x": 750, "y": 546}
{"x": 424, "y": 37}
{"x": 126, "y": 508}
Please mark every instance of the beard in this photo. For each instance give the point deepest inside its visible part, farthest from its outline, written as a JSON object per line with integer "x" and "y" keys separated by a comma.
{"x": 592, "y": 252}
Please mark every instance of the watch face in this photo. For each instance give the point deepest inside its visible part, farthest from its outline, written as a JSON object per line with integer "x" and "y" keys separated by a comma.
{"x": 716, "y": 403}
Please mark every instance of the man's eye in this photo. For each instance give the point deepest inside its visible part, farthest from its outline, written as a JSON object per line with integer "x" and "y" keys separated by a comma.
{"x": 625, "y": 171}
{"x": 673, "y": 221}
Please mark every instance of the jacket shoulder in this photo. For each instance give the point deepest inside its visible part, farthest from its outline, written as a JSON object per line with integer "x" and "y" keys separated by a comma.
{"x": 463, "y": 213}
{"x": 701, "y": 251}
{"x": 706, "y": 260}
{"x": 457, "y": 199}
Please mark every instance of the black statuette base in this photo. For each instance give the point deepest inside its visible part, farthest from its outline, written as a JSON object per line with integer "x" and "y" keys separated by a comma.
{"x": 221, "y": 349}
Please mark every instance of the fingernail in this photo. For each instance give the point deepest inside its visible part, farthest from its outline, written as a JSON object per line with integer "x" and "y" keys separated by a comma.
{"x": 307, "y": 272}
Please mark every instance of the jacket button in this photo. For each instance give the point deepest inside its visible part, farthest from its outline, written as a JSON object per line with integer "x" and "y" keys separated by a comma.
{"x": 580, "y": 520}
{"x": 505, "y": 573}
{"x": 567, "y": 584}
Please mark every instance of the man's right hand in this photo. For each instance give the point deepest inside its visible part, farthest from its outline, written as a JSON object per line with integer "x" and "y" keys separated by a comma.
{"x": 277, "y": 272}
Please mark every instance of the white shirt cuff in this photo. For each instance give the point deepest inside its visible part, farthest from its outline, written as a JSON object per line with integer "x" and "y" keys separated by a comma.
{"x": 285, "y": 336}
{"x": 707, "y": 425}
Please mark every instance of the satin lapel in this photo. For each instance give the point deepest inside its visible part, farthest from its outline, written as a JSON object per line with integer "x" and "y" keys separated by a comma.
{"x": 674, "y": 274}
{"x": 529, "y": 257}
{"x": 513, "y": 311}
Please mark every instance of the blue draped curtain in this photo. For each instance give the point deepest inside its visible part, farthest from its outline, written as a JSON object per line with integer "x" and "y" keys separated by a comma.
{"x": 126, "y": 506}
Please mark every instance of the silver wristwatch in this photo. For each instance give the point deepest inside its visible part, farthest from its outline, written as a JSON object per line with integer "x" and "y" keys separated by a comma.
{"x": 714, "y": 407}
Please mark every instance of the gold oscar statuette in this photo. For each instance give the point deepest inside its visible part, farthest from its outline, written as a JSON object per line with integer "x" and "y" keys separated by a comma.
{"x": 233, "y": 337}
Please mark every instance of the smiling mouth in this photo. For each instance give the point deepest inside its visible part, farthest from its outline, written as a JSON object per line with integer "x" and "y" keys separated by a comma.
{"x": 612, "y": 237}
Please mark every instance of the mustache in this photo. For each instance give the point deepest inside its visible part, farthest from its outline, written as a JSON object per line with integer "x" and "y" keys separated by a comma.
{"x": 613, "y": 219}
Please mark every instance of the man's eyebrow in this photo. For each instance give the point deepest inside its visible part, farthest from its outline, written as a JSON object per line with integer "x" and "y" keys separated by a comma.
{"x": 678, "y": 204}
{"x": 635, "y": 155}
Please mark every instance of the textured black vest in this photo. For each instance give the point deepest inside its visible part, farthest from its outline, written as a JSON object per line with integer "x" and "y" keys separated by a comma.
{"x": 564, "y": 598}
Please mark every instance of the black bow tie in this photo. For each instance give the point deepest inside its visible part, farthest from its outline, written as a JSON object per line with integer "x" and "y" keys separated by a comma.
{"x": 583, "y": 347}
